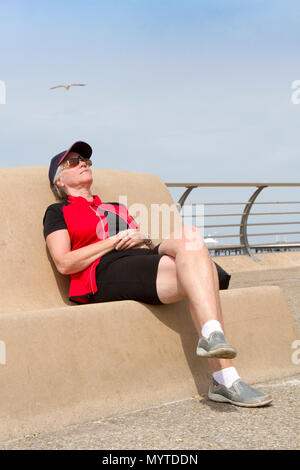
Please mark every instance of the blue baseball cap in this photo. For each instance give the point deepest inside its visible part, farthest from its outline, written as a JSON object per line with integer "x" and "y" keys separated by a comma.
{"x": 84, "y": 150}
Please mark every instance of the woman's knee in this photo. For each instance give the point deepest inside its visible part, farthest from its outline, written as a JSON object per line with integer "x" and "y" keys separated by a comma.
{"x": 190, "y": 238}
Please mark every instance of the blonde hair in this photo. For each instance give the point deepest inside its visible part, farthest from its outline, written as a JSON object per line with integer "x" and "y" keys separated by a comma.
{"x": 58, "y": 192}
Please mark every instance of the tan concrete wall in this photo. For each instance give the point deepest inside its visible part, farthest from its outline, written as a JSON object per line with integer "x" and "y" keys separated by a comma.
{"x": 76, "y": 364}
{"x": 65, "y": 364}
{"x": 267, "y": 261}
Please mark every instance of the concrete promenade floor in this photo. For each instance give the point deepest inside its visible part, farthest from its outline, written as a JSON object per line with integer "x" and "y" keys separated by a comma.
{"x": 197, "y": 423}
{"x": 193, "y": 423}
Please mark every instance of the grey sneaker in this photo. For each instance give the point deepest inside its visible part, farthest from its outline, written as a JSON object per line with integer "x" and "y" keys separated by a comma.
{"x": 215, "y": 346}
{"x": 239, "y": 394}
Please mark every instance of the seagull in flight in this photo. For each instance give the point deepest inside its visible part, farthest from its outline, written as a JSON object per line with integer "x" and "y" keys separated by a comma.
{"x": 67, "y": 87}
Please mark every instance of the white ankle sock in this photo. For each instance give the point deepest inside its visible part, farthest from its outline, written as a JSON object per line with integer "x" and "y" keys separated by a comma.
{"x": 226, "y": 376}
{"x": 210, "y": 326}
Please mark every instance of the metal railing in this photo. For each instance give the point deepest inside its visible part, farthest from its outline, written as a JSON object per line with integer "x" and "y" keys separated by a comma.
{"x": 244, "y": 247}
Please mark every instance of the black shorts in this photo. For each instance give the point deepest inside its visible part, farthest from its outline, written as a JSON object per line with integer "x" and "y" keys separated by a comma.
{"x": 128, "y": 275}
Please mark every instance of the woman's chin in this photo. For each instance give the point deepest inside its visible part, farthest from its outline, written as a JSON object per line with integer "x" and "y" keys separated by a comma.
{"x": 87, "y": 177}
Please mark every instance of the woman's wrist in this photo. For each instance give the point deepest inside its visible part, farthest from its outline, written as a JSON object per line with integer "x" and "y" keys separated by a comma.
{"x": 107, "y": 245}
{"x": 148, "y": 241}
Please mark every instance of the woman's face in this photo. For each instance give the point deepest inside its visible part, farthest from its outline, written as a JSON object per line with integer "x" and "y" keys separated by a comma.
{"x": 75, "y": 177}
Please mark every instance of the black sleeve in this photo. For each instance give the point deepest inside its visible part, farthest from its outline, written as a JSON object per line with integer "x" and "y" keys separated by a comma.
{"x": 54, "y": 219}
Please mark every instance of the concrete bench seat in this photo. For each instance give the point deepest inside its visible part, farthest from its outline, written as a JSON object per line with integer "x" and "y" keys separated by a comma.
{"x": 62, "y": 363}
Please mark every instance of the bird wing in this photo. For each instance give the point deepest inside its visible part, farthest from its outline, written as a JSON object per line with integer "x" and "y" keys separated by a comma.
{"x": 77, "y": 84}
{"x": 57, "y": 86}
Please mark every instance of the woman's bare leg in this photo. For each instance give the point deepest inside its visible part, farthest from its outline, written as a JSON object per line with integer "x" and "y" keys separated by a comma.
{"x": 173, "y": 286}
{"x": 194, "y": 272}
{"x": 194, "y": 277}
{"x": 218, "y": 364}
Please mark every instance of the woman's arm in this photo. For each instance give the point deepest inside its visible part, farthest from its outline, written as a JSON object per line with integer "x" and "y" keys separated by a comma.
{"x": 70, "y": 262}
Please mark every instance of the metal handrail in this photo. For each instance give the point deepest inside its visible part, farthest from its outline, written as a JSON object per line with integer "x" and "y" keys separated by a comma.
{"x": 258, "y": 235}
{"x": 243, "y": 234}
{"x": 251, "y": 225}
{"x": 254, "y": 213}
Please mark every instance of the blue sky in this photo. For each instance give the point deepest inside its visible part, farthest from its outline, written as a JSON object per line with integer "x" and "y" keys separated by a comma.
{"x": 189, "y": 90}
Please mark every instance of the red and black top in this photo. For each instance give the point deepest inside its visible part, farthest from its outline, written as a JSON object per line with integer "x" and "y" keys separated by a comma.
{"x": 87, "y": 223}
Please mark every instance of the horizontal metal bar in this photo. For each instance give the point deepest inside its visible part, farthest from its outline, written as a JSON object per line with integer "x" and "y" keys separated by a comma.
{"x": 225, "y": 247}
{"x": 234, "y": 185}
{"x": 271, "y": 245}
{"x": 225, "y": 236}
{"x": 241, "y": 213}
{"x": 275, "y": 233}
{"x": 256, "y": 234}
{"x": 213, "y": 215}
{"x": 248, "y": 225}
{"x": 266, "y": 245}
{"x": 275, "y": 223}
{"x": 238, "y": 203}
{"x": 273, "y": 213}
{"x": 215, "y": 226}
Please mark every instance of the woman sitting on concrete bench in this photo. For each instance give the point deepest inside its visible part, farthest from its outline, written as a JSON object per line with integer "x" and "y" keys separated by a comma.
{"x": 108, "y": 258}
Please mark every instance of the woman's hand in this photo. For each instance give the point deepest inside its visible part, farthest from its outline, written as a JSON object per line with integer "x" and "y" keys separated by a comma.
{"x": 129, "y": 239}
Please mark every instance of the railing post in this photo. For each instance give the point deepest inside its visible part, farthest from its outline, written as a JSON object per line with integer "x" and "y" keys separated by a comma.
{"x": 185, "y": 195}
{"x": 243, "y": 229}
